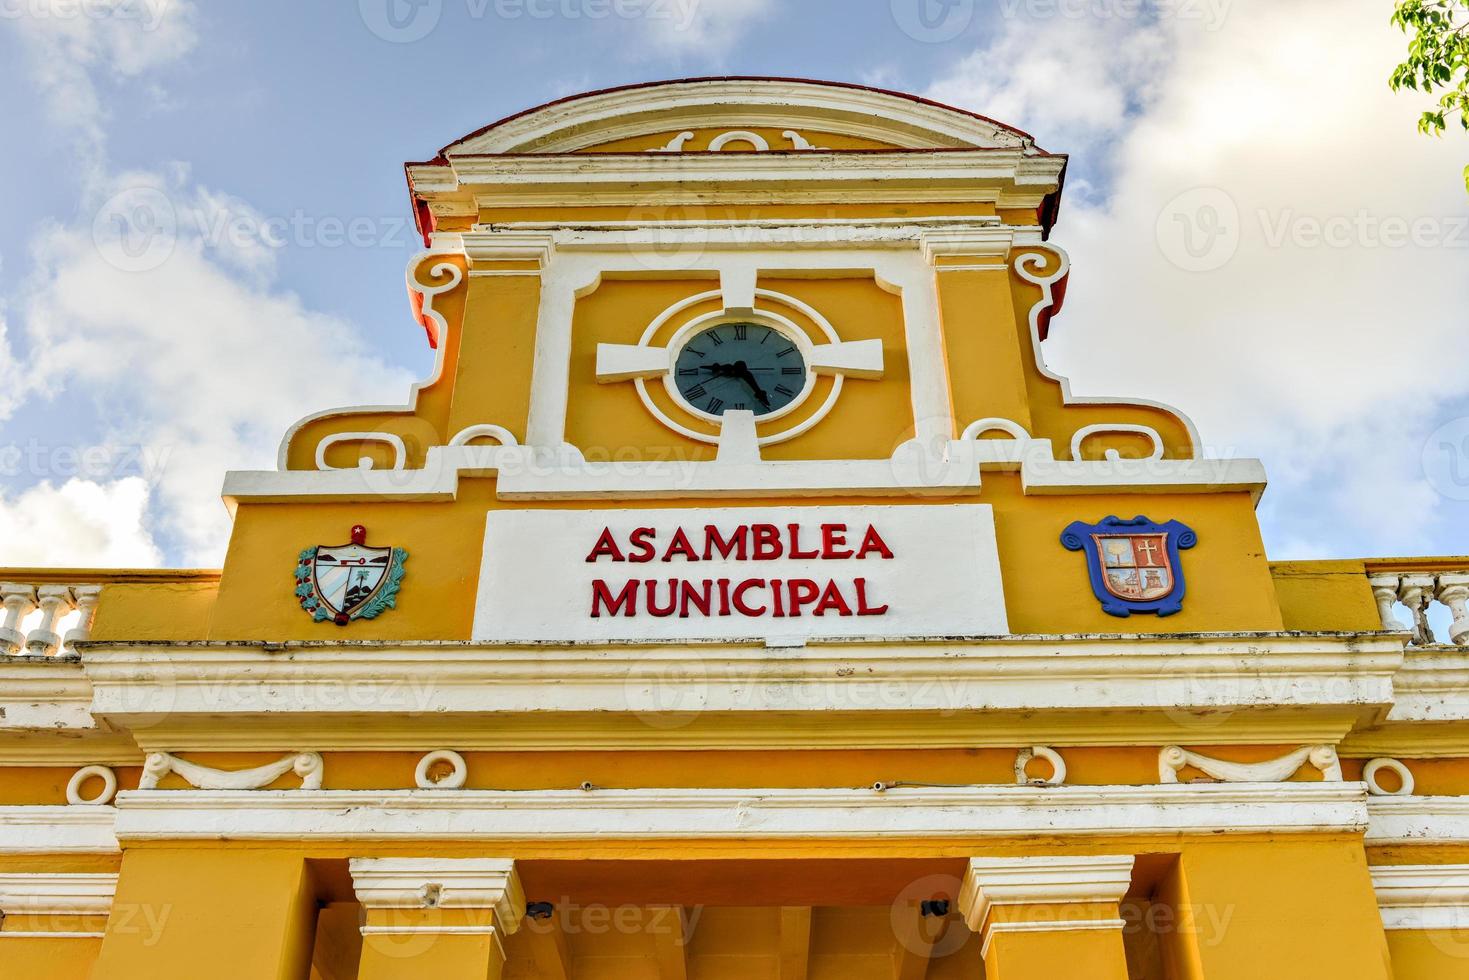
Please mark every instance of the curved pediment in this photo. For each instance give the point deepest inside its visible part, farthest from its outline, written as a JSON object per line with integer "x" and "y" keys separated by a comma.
{"x": 743, "y": 114}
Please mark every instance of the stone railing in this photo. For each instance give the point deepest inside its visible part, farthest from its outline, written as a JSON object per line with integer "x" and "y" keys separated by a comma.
{"x": 34, "y": 617}
{"x": 1417, "y": 591}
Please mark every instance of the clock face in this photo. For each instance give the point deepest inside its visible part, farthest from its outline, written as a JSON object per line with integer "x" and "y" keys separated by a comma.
{"x": 740, "y": 366}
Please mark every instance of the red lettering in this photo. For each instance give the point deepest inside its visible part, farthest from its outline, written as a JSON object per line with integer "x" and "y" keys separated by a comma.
{"x": 680, "y": 546}
{"x": 803, "y": 592}
{"x": 606, "y": 548}
{"x": 796, "y": 551}
{"x": 739, "y": 598}
{"x": 767, "y": 542}
{"x": 653, "y": 607}
{"x": 736, "y": 544}
{"x": 724, "y": 597}
{"x": 834, "y": 542}
{"x": 642, "y": 543}
{"x": 872, "y": 542}
{"x": 702, "y": 601}
{"x": 779, "y": 596}
{"x": 832, "y": 599}
{"x": 863, "y": 609}
{"x": 602, "y": 599}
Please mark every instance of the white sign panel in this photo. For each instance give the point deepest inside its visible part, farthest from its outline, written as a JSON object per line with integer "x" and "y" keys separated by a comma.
{"x": 740, "y": 573}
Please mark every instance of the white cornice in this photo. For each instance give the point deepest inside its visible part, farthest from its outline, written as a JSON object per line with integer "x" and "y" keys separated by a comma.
{"x": 761, "y": 814}
{"x": 57, "y": 894}
{"x": 1423, "y": 897}
{"x": 1419, "y": 820}
{"x": 43, "y": 694}
{"x": 1077, "y": 690}
{"x": 1430, "y": 715}
{"x": 1043, "y": 881}
{"x": 57, "y": 830}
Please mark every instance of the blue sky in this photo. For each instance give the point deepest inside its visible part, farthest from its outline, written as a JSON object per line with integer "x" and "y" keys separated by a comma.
{"x": 1305, "y": 332}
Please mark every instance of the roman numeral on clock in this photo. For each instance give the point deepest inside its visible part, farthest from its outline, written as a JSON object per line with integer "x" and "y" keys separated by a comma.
{"x": 688, "y": 372}
{"x": 786, "y": 351}
{"x": 718, "y": 340}
{"x": 715, "y": 406}
{"x": 783, "y": 390}
{"x": 695, "y": 393}
{"x": 742, "y": 331}
{"x": 789, "y": 371}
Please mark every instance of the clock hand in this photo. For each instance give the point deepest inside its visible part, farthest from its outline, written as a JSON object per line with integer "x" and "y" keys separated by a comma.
{"x": 742, "y": 371}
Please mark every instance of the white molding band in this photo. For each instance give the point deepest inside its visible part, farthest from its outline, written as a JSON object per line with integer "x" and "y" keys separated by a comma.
{"x": 1027, "y": 690}
{"x": 1042, "y": 881}
{"x": 49, "y": 894}
{"x": 57, "y": 830}
{"x": 1418, "y": 820}
{"x": 1423, "y": 897}
{"x": 756, "y": 814}
{"x": 444, "y": 883}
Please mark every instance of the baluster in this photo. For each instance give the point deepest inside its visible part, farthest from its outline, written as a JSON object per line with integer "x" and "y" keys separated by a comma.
{"x": 1385, "y": 591}
{"x": 19, "y": 600}
{"x": 1453, "y": 591}
{"x": 1416, "y": 592}
{"x": 55, "y": 601}
{"x": 86, "y": 602}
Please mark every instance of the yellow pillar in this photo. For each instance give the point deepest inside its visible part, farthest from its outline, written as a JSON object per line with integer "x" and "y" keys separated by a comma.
{"x": 1046, "y": 917}
{"x": 53, "y": 923}
{"x": 228, "y": 915}
{"x": 1425, "y": 910}
{"x": 430, "y": 917}
{"x": 1244, "y": 906}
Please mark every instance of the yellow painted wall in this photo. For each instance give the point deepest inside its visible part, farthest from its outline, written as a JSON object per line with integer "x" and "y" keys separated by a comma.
{"x": 1429, "y": 955}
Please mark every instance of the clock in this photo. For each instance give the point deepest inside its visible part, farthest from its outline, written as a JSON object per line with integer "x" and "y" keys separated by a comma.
{"x": 780, "y": 362}
{"x": 739, "y": 366}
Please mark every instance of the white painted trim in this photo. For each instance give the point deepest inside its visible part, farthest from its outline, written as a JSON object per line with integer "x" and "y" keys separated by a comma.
{"x": 444, "y": 883}
{"x": 79, "y": 779}
{"x": 1067, "y": 925}
{"x": 1429, "y": 718}
{"x": 718, "y": 143}
{"x": 1173, "y": 759}
{"x": 444, "y": 246}
{"x": 853, "y": 359}
{"x": 753, "y": 814}
{"x": 49, "y": 893}
{"x": 1418, "y": 820}
{"x": 52, "y": 935}
{"x": 1428, "y": 897}
{"x": 1226, "y": 689}
{"x": 1084, "y": 433}
{"x": 603, "y": 117}
{"x": 1145, "y": 476}
{"x": 57, "y": 830}
{"x": 1042, "y": 881}
{"x": 1027, "y": 266}
{"x": 623, "y": 362}
{"x": 456, "y": 780}
{"x": 497, "y": 432}
{"x": 400, "y": 451}
{"x": 307, "y": 765}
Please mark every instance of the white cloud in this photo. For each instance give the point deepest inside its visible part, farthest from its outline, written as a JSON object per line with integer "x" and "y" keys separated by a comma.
{"x": 704, "y": 27}
{"x": 80, "y": 524}
{"x": 202, "y": 369}
{"x": 1330, "y": 361}
{"x": 76, "y": 49}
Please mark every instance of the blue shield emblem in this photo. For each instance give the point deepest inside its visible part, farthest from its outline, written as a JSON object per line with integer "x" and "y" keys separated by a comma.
{"x": 350, "y": 581}
{"x": 1134, "y": 565}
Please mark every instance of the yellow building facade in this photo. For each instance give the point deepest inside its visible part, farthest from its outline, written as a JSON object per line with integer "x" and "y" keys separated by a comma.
{"x": 742, "y": 597}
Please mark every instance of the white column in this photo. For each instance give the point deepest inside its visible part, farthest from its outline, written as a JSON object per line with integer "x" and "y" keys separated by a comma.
{"x": 19, "y": 600}
{"x": 55, "y": 602}
{"x": 1385, "y": 591}
{"x": 1453, "y": 591}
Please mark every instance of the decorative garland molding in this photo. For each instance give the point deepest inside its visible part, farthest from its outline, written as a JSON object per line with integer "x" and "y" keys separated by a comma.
{"x": 307, "y": 765}
{"x": 1173, "y": 759}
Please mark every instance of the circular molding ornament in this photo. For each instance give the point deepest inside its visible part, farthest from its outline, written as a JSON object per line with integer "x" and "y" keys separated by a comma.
{"x": 1370, "y": 771}
{"x": 79, "y": 779}
{"x": 455, "y": 780}
{"x": 1024, "y": 758}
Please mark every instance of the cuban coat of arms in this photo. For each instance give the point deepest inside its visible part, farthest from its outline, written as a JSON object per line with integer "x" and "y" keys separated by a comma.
{"x": 1134, "y": 565}
{"x": 342, "y": 583}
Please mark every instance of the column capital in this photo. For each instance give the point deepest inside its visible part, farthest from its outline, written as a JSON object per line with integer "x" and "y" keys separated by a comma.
{"x": 56, "y": 894}
{"x": 440, "y": 883}
{"x": 990, "y": 883}
{"x": 988, "y": 242}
